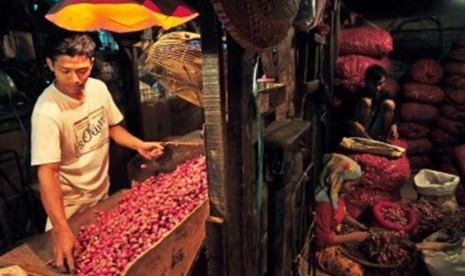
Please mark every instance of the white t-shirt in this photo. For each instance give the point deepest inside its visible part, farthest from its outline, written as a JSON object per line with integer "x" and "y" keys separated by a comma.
{"x": 76, "y": 134}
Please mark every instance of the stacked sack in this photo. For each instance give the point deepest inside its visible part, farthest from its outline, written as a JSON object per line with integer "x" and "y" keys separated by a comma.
{"x": 419, "y": 111}
{"x": 360, "y": 48}
{"x": 382, "y": 179}
{"x": 452, "y": 119}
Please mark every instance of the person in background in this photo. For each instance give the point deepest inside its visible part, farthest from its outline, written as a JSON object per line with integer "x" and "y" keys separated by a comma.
{"x": 340, "y": 173}
{"x": 374, "y": 116}
{"x": 72, "y": 122}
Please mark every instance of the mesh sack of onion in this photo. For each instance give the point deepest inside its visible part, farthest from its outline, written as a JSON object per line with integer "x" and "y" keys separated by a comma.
{"x": 395, "y": 216}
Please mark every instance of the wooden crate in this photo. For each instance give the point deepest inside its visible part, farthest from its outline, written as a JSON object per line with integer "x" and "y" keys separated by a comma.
{"x": 175, "y": 253}
{"x": 172, "y": 255}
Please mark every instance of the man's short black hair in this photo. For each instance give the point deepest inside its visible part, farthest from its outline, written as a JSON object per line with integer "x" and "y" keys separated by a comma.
{"x": 73, "y": 44}
{"x": 375, "y": 73}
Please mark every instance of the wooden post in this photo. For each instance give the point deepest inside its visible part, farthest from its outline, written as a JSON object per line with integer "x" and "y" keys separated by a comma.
{"x": 227, "y": 85}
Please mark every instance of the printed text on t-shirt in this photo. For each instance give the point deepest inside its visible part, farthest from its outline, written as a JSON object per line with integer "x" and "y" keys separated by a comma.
{"x": 91, "y": 132}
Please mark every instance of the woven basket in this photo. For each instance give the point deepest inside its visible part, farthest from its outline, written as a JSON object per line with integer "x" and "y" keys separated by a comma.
{"x": 175, "y": 60}
{"x": 257, "y": 24}
{"x": 351, "y": 251}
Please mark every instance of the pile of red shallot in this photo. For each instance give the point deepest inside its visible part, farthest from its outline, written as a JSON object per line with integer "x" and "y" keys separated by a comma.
{"x": 389, "y": 248}
{"x": 141, "y": 218}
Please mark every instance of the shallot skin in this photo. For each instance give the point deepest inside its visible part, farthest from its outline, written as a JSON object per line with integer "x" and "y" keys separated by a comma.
{"x": 145, "y": 214}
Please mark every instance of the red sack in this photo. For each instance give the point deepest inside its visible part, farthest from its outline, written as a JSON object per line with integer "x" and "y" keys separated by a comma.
{"x": 449, "y": 168}
{"x": 419, "y": 146}
{"x": 360, "y": 201}
{"x": 459, "y": 154}
{"x": 368, "y": 41}
{"x": 381, "y": 173}
{"x": 451, "y": 112}
{"x": 455, "y": 67}
{"x": 418, "y": 162}
{"x": 413, "y": 130}
{"x": 441, "y": 137}
{"x": 457, "y": 54}
{"x": 450, "y": 126}
{"x": 455, "y": 80}
{"x": 418, "y": 112}
{"x": 460, "y": 195}
{"x": 458, "y": 43}
{"x": 423, "y": 93}
{"x": 427, "y": 71}
{"x": 457, "y": 106}
{"x": 443, "y": 158}
{"x": 395, "y": 216}
{"x": 456, "y": 95}
{"x": 350, "y": 70}
{"x": 392, "y": 87}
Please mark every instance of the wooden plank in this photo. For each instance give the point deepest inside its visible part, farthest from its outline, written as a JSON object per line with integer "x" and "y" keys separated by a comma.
{"x": 216, "y": 142}
{"x": 214, "y": 242}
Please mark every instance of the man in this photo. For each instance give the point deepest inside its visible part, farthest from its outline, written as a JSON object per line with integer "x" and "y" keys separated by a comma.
{"x": 72, "y": 122}
{"x": 374, "y": 110}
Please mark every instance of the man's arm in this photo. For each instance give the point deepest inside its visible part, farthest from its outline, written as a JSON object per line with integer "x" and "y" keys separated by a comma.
{"x": 149, "y": 150}
{"x": 123, "y": 138}
{"x": 64, "y": 241}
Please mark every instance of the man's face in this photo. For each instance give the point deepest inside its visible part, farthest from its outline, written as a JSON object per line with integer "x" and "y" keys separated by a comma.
{"x": 71, "y": 74}
{"x": 376, "y": 86}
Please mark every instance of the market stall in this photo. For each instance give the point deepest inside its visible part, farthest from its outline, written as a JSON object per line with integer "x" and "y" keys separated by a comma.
{"x": 170, "y": 249}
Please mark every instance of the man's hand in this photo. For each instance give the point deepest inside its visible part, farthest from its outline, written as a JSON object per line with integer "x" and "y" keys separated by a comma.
{"x": 64, "y": 244}
{"x": 393, "y": 134}
{"x": 150, "y": 150}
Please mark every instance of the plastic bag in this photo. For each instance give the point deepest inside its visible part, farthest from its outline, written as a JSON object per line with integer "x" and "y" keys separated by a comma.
{"x": 371, "y": 146}
{"x": 450, "y": 262}
{"x": 435, "y": 183}
{"x": 14, "y": 270}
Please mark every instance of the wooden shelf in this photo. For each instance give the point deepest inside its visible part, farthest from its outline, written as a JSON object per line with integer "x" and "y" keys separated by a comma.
{"x": 285, "y": 133}
{"x": 269, "y": 97}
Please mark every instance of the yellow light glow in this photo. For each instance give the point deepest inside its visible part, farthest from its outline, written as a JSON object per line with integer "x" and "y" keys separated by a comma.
{"x": 121, "y": 17}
